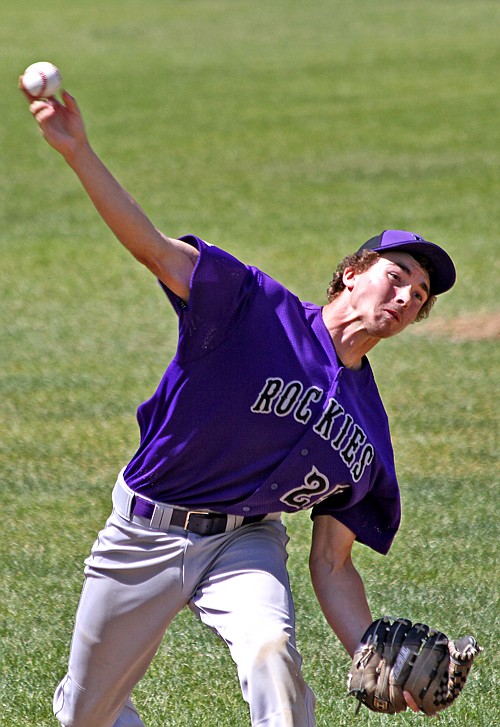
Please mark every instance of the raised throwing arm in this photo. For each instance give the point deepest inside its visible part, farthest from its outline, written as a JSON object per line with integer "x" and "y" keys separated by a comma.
{"x": 172, "y": 261}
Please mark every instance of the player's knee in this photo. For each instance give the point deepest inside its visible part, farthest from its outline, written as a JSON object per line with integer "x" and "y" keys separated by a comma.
{"x": 273, "y": 685}
{"x": 273, "y": 655}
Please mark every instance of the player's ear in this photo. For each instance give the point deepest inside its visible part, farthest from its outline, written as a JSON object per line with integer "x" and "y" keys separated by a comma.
{"x": 348, "y": 277}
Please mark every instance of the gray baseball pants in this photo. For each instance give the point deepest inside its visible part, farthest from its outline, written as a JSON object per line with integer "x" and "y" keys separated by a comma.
{"x": 138, "y": 578}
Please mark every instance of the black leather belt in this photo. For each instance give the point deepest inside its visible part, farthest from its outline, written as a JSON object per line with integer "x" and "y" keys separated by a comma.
{"x": 194, "y": 521}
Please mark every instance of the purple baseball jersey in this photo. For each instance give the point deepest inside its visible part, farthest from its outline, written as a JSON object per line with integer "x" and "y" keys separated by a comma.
{"x": 256, "y": 413}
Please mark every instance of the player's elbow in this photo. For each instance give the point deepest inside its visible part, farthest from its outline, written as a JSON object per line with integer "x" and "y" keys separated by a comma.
{"x": 328, "y": 565}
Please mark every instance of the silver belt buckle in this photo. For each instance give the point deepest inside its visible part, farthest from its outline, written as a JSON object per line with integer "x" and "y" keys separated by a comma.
{"x": 188, "y": 516}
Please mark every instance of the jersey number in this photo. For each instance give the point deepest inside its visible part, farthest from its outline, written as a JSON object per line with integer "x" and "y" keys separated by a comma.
{"x": 315, "y": 485}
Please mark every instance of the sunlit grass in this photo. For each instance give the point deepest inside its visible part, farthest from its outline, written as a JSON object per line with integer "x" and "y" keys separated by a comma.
{"x": 287, "y": 133}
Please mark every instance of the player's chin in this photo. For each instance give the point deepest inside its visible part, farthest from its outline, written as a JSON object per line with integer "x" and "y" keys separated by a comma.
{"x": 387, "y": 328}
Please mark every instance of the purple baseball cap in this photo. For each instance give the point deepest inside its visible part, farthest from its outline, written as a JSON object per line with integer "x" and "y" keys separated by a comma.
{"x": 442, "y": 275}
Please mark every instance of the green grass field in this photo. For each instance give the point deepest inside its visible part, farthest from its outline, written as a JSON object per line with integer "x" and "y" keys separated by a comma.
{"x": 287, "y": 132}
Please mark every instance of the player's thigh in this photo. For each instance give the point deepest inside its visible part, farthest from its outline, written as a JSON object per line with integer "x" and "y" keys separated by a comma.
{"x": 247, "y": 589}
{"x": 133, "y": 589}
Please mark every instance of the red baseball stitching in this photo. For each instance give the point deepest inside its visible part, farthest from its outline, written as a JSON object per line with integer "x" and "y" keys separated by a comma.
{"x": 44, "y": 82}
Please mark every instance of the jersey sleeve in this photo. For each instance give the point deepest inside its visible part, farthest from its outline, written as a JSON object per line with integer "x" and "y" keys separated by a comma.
{"x": 374, "y": 519}
{"x": 220, "y": 288}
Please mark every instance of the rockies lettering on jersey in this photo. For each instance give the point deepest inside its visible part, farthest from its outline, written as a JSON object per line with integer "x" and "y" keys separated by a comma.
{"x": 334, "y": 423}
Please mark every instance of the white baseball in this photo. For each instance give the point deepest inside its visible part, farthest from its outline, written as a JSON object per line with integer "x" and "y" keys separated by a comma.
{"x": 41, "y": 79}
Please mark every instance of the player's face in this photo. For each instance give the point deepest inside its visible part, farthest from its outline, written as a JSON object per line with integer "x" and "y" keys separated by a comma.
{"x": 389, "y": 295}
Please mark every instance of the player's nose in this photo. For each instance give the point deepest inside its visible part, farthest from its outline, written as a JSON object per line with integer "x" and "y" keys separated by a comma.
{"x": 403, "y": 296}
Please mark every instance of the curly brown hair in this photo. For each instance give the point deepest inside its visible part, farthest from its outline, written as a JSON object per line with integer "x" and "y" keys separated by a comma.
{"x": 361, "y": 261}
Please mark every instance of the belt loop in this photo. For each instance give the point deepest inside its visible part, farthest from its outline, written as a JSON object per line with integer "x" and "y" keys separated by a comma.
{"x": 233, "y": 522}
{"x": 161, "y": 517}
{"x": 123, "y": 497}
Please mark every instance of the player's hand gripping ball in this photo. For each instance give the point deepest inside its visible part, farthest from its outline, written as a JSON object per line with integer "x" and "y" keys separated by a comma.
{"x": 396, "y": 657}
{"x": 41, "y": 80}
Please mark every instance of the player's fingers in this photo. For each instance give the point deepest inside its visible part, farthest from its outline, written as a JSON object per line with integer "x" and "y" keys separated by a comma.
{"x": 51, "y": 105}
{"x": 70, "y": 102}
{"x": 42, "y": 111}
{"x": 37, "y": 105}
{"x": 411, "y": 702}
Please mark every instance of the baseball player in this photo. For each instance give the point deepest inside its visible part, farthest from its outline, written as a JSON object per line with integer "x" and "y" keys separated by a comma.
{"x": 268, "y": 406}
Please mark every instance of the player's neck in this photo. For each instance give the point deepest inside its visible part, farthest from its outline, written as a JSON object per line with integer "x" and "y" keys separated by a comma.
{"x": 351, "y": 340}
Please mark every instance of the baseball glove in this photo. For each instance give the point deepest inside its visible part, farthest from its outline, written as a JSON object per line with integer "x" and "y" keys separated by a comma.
{"x": 400, "y": 656}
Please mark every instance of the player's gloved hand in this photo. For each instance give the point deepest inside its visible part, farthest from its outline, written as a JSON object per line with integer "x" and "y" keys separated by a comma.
{"x": 399, "y": 658}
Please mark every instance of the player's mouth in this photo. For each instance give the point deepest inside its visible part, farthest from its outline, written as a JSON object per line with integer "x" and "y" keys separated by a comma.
{"x": 394, "y": 314}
